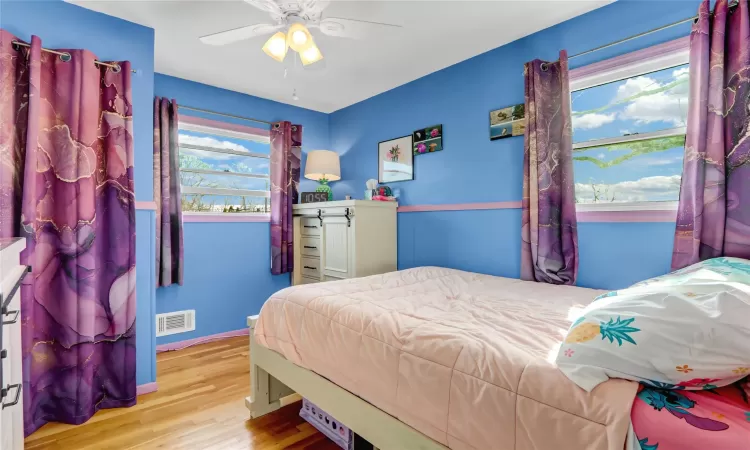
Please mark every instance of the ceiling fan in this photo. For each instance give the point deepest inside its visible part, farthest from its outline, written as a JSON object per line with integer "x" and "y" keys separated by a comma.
{"x": 292, "y": 18}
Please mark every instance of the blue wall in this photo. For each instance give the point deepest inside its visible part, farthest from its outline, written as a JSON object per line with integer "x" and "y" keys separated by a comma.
{"x": 615, "y": 255}
{"x": 474, "y": 169}
{"x": 227, "y": 265}
{"x": 62, "y": 25}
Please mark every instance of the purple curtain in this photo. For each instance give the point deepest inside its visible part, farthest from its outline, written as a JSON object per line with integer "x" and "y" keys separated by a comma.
{"x": 71, "y": 144}
{"x": 169, "y": 251}
{"x": 286, "y": 142}
{"x": 713, "y": 218}
{"x": 549, "y": 247}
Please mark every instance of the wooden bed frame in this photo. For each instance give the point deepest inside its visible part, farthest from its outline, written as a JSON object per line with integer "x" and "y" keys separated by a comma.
{"x": 276, "y": 382}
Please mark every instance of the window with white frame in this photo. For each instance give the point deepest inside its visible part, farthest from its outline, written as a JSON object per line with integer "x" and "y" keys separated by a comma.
{"x": 223, "y": 170}
{"x": 629, "y": 126}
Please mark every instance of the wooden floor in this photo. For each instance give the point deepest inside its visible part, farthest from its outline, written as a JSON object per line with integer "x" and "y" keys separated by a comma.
{"x": 199, "y": 406}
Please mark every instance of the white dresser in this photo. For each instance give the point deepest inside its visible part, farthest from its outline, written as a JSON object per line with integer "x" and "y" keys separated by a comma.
{"x": 11, "y": 376}
{"x": 343, "y": 239}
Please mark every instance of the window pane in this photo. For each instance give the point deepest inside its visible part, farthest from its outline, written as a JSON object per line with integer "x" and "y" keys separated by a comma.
{"x": 648, "y": 170}
{"x": 222, "y": 162}
{"x": 222, "y": 203}
{"x": 223, "y": 181}
{"x": 650, "y": 102}
{"x": 228, "y": 143}
{"x": 230, "y": 166}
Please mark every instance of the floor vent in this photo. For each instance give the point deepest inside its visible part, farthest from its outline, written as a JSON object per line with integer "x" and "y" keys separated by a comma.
{"x": 175, "y": 322}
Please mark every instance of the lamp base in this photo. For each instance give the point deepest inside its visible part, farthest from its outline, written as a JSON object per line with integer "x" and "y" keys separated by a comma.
{"x": 323, "y": 187}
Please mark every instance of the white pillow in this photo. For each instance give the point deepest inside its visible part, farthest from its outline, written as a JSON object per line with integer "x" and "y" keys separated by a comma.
{"x": 686, "y": 330}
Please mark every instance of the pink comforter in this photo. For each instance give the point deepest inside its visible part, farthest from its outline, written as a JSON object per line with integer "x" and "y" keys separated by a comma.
{"x": 464, "y": 358}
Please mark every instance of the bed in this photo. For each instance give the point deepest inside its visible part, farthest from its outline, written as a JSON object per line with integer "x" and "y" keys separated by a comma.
{"x": 436, "y": 358}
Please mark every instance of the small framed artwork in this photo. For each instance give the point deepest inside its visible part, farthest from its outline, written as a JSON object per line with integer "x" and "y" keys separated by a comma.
{"x": 507, "y": 122}
{"x": 396, "y": 160}
{"x": 428, "y": 140}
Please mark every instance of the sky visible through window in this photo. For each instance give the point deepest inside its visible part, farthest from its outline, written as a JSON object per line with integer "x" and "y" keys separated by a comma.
{"x": 228, "y": 163}
{"x": 647, "y": 170}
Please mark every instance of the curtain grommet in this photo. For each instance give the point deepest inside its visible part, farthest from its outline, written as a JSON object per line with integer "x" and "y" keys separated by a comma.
{"x": 544, "y": 67}
{"x": 65, "y": 57}
{"x": 116, "y": 69}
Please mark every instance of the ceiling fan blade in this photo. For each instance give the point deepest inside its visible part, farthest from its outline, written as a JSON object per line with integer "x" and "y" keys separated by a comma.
{"x": 239, "y": 34}
{"x": 269, "y": 6}
{"x": 312, "y": 9}
{"x": 353, "y": 29}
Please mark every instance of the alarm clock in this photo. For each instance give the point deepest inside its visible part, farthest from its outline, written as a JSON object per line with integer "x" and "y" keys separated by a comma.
{"x": 314, "y": 197}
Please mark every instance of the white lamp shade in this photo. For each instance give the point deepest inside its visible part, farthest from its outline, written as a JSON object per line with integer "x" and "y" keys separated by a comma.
{"x": 322, "y": 164}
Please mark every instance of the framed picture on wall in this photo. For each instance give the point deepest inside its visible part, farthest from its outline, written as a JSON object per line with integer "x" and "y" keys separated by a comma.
{"x": 428, "y": 140}
{"x": 396, "y": 160}
{"x": 507, "y": 122}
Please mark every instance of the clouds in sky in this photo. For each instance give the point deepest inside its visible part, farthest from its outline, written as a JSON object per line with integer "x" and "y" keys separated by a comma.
{"x": 223, "y": 161}
{"x": 682, "y": 72}
{"x": 668, "y": 106}
{"x": 209, "y": 142}
{"x": 654, "y": 102}
{"x": 657, "y": 188}
{"x": 651, "y": 160}
{"x": 593, "y": 120}
{"x": 633, "y": 86}
{"x": 663, "y": 161}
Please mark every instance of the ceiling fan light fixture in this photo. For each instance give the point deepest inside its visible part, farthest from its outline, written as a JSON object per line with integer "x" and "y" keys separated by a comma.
{"x": 276, "y": 47}
{"x": 311, "y": 55}
{"x": 299, "y": 38}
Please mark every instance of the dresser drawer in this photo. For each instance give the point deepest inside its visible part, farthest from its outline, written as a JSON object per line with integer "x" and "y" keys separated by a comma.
{"x": 310, "y": 226}
{"x": 307, "y": 280}
{"x": 311, "y": 267}
{"x": 310, "y": 246}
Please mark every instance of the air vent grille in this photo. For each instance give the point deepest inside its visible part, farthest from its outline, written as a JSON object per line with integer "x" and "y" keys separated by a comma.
{"x": 175, "y": 322}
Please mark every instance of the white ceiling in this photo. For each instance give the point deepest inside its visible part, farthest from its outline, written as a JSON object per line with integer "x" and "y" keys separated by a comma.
{"x": 435, "y": 35}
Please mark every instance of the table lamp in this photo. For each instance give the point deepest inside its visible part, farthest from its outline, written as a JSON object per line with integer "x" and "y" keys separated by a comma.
{"x": 323, "y": 166}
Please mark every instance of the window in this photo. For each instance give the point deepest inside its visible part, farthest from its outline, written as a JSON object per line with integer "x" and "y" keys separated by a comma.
{"x": 224, "y": 168}
{"x": 629, "y": 126}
